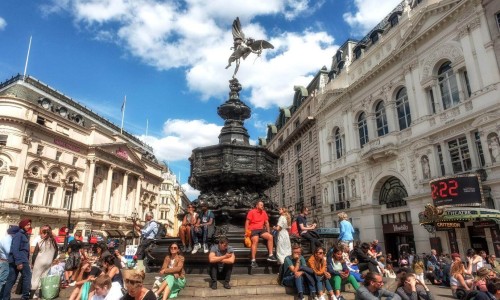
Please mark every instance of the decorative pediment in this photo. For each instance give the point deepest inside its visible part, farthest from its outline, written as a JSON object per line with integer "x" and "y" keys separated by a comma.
{"x": 425, "y": 19}
{"x": 122, "y": 151}
{"x": 485, "y": 119}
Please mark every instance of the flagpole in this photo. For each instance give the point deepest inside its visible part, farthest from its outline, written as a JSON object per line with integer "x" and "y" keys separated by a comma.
{"x": 123, "y": 112}
{"x": 27, "y": 58}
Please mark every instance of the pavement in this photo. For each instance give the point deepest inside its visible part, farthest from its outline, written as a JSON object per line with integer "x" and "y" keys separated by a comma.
{"x": 200, "y": 283}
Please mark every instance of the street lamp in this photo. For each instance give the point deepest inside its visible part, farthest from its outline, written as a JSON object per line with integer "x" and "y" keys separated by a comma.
{"x": 134, "y": 218}
{"x": 69, "y": 213}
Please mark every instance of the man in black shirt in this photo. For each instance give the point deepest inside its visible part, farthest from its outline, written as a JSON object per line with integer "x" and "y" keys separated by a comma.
{"x": 306, "y": 231}
{"x": 221, "y": 260}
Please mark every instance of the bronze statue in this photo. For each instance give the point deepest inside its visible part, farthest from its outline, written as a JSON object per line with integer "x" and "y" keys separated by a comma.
{"x": 243, "y": 46}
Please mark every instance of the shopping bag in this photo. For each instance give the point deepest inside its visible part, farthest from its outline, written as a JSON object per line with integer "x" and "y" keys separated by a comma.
{"x": 50, "y": 286}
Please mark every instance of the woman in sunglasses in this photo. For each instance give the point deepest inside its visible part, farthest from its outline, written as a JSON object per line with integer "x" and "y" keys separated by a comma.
{"x": 317, "y": 263}
{"x": 44, "y": 255}
{"x": 134, "y": 280}
{"x": 173, "y": 270}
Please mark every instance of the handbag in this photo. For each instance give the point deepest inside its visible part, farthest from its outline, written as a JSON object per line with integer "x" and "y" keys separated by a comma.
{"x": 50, "y": 286}
{"x": 248, "y": 241}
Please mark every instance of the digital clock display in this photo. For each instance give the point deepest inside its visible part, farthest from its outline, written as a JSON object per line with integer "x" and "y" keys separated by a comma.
{"x": 456, "y": 190}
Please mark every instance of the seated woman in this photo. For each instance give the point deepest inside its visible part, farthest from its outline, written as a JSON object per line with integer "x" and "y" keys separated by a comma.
{"x": 188, "y": 222}
{"x": 339, "y": 272}
{"x": 482, "y": 275}
{"x": 317, "y": 263}
{"x": 84, "y": 276}
{"x": 104, "y": 289}
{"x": 412, "y": 288}
{"x": 173, "y": 269}
{"x": 389, "y": 271}
{"x": 458, "y": 272}
{"x": 134, "y": 283}
{"x": 112, "y": 270}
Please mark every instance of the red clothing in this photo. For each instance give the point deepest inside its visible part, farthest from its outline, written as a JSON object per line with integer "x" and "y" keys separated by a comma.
{"x": 257, "y": 219}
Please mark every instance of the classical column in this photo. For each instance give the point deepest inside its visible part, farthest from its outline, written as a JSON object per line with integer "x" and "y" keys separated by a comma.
{"x": 474, "y": 155}
{"x": 107, "y": 196}
{"x": 486, "y": 149}
{"x": 124, "y": 203}
{"x": 138, "y": 193}
{"x": 446, "y": 158}
{"x": 90, "y": 184}
{"x": 372, "y": 126}
{"x": 392, "y": 116}
{"x": 348, "y": 122}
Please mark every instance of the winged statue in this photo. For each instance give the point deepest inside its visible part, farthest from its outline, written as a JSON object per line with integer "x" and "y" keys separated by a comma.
{"x": 244, "y": 46}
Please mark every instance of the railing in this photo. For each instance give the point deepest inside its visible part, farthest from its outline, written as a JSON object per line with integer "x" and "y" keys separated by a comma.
{"x": 340, "y": 205}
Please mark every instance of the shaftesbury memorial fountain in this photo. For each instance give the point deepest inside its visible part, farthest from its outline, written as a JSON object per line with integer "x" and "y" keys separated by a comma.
{"x": 232, "y": 175}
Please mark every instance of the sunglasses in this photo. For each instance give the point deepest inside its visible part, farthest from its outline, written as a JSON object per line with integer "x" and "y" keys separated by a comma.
{"x": 174, "y": 248}
{"x": 44, "y": 231}
{"x": 319, "y": 252}
{"x": 132, "y": 282}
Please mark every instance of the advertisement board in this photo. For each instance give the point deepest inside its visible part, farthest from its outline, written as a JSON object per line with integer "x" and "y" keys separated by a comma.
{"x": 460, "y": 190}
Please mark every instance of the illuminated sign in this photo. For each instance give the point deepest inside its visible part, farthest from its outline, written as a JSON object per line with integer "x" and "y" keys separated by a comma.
{"x": 462, "y": 190}
{"x": 449, "y": 225}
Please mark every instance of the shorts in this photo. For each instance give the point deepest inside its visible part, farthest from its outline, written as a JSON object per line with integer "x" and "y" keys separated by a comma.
{"x": 258, "y": 232}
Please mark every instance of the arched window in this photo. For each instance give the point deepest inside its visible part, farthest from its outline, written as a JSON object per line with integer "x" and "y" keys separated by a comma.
{"x": 448, "y": 86}
{"x": 339, "y": 143}
{"x": 403, "y": 108}
{"x": 362, "y": 130}
{"x": 381, "y": 118}
{"x": 393, "y": 193}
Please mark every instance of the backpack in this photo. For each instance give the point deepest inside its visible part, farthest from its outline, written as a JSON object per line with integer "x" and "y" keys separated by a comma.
{"x": 162, "y": 231}
{"x": 294, "y": 230}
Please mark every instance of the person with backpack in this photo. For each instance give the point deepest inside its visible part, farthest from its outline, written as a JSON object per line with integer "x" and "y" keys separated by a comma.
{"x": 148, "y": 234}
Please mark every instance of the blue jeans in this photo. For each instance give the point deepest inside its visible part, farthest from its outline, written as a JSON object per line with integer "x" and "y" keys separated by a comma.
{"x": 202, "y": 233}
{"x": 25, "y": 278}
{"x": 4, "y": 275}
{"x": 319, "y": 283}
{"x": 298, "y": 283}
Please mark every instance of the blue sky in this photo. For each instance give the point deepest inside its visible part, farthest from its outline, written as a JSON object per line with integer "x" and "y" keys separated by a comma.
{"x": 168, "y": 58}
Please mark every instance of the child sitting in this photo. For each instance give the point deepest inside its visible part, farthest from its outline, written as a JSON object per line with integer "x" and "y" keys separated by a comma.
{"x": 354, "y": 270}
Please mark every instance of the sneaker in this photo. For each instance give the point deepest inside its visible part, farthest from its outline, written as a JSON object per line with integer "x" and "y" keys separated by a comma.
{"x": 227, "y": 285}
{"x": 213, "y": 285}
{"x": 322, "y": 297}
{"x": 183, "y": 248}
{"x": 339, "y": 298}
{"x": 300, "y": 296}
{"x": 188, "y": 249}
{"x": 272, "y": 258}
{"x": 73, "y": 283}
{"x": 205, "y": 248}
{"x": 254, "y": 264}
{"x": 196, "y": 248}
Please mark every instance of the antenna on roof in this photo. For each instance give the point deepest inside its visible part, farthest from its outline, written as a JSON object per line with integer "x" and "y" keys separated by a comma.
{"x": 27, "y": 58}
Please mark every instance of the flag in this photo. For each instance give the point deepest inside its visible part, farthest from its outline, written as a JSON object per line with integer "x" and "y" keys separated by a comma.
{"x": 123, "y": 104}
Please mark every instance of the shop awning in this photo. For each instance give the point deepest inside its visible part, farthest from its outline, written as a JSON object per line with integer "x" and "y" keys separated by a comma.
{"x": 433, "y": 214}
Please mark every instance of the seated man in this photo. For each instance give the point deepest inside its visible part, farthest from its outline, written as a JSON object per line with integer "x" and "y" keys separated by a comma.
{"x": 200, "y": 230}
{"x": 372, "y": 289}
{"x": 365, "y": 261}
{"x": 293, "y": 276}
{"x": 307, "y": 231}
{"x": 189, "y": 220}
{"x": 256, "y": 220}
{"x": 221, "y": 259}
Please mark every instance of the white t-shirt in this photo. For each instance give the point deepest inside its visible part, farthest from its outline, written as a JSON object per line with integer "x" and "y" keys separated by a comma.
{"x": 115, "y": 293}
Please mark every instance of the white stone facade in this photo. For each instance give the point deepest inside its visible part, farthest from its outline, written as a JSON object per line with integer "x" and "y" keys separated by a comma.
{"x": 50, "y": 143}
{"x": 172, "y": 202}
{"x": 414, "y": 100}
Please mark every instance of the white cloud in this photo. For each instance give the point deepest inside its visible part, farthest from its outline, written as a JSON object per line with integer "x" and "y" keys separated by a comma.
{"x": 368, "y": 14}
{"x": 180, "y": 137}
{"x": 190, "y": 192}
{"x": 3, "y": 23}
{"x": 196, "y": 35}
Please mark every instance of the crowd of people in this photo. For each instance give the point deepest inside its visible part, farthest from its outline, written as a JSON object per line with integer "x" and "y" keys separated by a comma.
{"x": 97, "y": 274}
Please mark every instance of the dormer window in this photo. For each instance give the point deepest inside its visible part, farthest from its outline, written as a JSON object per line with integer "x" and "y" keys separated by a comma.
{"x": 374, "y": 38}
{"x": 357, "y": 51}
{"x": 338, "y": 56}
{"x": 394, "y": 18}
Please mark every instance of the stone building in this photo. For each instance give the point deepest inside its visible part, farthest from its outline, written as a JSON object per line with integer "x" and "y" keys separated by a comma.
{"x": 416, "y": 99}
{"x": 173, "y": 201}
{"x": 294, "y": 139}
{"x": 56, "y": 155}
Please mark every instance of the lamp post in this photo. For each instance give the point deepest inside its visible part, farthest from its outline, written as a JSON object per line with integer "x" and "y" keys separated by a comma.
{"x": 69, "y": 213}
{"x": 134, "y": 218}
